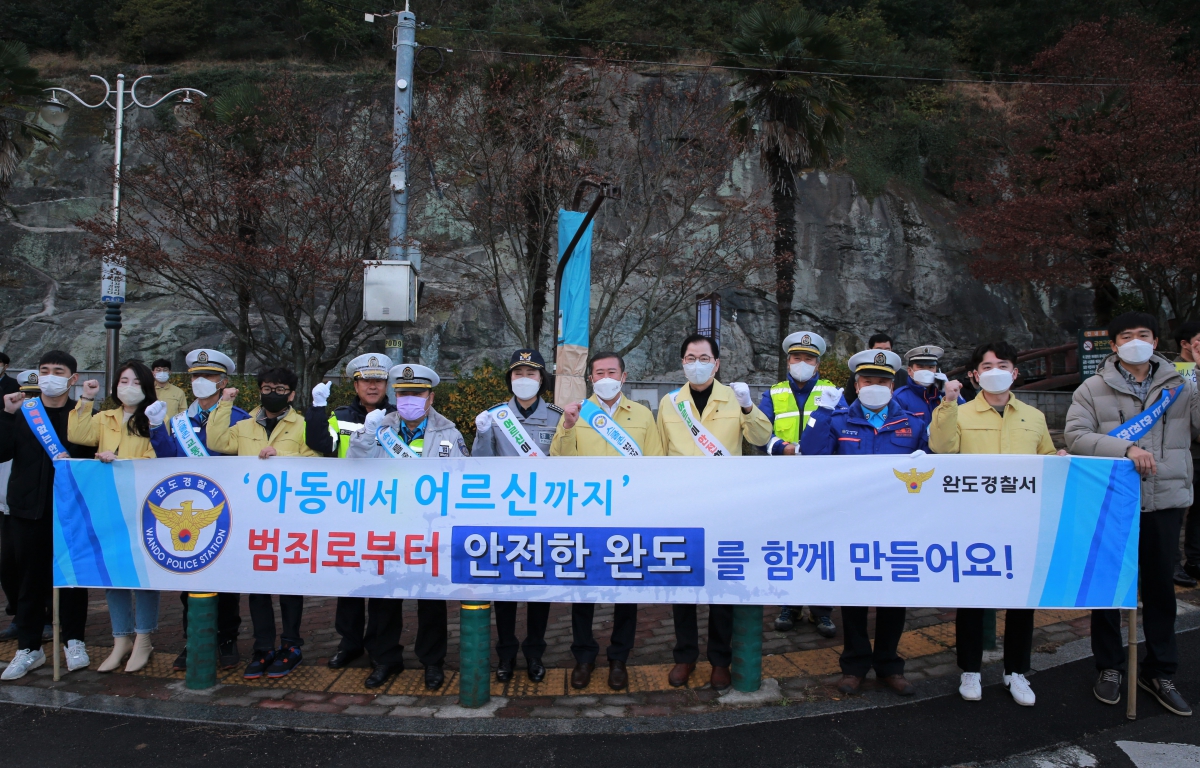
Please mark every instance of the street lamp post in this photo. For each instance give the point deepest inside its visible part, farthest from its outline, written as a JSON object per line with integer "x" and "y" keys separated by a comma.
{"x": 112, "y": 270}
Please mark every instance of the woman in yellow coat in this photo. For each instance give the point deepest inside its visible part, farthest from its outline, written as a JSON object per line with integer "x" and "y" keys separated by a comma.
{"x": 122, "y": 433}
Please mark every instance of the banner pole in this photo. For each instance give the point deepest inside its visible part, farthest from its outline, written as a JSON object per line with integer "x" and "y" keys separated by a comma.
{"x": 1131, "y": 704}
{"x": 747, "y": 647}
{"x": 201, "y": 641}
{"x": 475, "y": 654}
{"x": 57, "y": 640}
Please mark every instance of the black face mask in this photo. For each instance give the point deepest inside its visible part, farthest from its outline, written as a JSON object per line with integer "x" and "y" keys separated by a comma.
{"x": 274, "y": 402}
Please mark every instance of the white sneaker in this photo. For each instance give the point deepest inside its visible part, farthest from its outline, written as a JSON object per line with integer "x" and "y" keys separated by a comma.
{"x": 1018, "y": 686}
{"x": 969, "y": 687}
{"x": 24, "y": 661}
{"x": 77, "y": 655}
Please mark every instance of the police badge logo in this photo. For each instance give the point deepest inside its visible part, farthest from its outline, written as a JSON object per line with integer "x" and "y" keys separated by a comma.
{"x": 33, "y": 378}
{"x": 913, "y": 479}
{"x": 407, "y": 373}
{"x": 185, "y": 522}
{"x": 806, "y": 339}
{"x": 202, "y": 357}
{"x": 373, "y": 361}
{"x": 600, "y": 421}
{"x": 880, "y": 359}
{"x": 526, "y": 355}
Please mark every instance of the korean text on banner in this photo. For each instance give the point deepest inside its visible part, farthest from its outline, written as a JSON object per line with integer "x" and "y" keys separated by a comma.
{"x": 975, "y": 531}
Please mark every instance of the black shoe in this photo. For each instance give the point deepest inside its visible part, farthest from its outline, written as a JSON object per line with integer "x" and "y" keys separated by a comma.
{"x": 786, "y": 620}
{"x": 382, "y": 673}
{"x": 1108, "y": 686}
{"x": 1192, "y": 569}
{"x": 180, "y": 663}
{"x": 825, "y": 626}
{"x": 504, "y": 670}
{"x": 10, "y": 633}
{"x": 286, "y": 659}
{"x": 434, "y": 677}
{"x": 1184, "y": 579}
{"x": 228, "y": 655}
{"x": 535, "y": 669}
{"x": 259, "y": 662}
{"x": 1164, "y": 690}
{"x": 343, "y": 658}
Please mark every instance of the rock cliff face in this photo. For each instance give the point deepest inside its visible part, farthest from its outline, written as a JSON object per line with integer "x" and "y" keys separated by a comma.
{"x": 894, "y": 264}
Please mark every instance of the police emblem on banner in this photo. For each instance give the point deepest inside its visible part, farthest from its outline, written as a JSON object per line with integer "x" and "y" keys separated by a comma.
{"x": 912, "y": 479}
{"x": 600, "y": 422}
{"x": 185, "y": 522}
{"x": 502, "y": 414}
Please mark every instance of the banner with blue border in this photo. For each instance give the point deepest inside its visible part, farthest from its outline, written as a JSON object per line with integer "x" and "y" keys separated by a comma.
{"x": 967, "y": 531}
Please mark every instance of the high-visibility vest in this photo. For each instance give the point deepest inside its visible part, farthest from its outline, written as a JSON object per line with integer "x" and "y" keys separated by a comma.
{"x": 341, "y": 431}
{"x": 789, "y": 421}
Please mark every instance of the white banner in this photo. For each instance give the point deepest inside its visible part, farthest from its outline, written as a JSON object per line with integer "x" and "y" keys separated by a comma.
{"x": 984, "y": 531}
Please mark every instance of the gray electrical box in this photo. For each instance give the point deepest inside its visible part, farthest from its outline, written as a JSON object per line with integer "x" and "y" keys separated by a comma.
{"x": 390, "y": 292}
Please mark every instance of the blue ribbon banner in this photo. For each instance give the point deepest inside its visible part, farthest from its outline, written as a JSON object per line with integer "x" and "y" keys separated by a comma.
{"x": 574, "y": 307}
{"x": 38, "y": 421}
{"x": 1139, "y": 425}
{"x": 607, "y": 427}
{"x": 975, "y": 531}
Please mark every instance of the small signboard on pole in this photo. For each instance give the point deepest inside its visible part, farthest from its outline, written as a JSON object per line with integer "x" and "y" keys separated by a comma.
{"x": 112, "y": 281}
{"x": 1094, "y": 346}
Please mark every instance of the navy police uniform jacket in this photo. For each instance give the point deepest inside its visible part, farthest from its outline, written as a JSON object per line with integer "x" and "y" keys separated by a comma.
{"x": 920, "y": 401}
{"x": 846, "y": 432}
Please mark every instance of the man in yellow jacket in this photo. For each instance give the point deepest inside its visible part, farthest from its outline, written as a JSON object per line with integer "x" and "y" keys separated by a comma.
{"x": 706, "y": 418}
{"x": 611, "y": 425}
{"x": 273, "y": 429}
{"x": 994, "y": 422}
{"x": 170, "y": 394}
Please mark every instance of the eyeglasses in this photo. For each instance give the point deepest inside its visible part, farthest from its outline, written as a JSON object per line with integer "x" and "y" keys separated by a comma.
{"x": 280, "y": 390}
{"x": 693, "y": 359}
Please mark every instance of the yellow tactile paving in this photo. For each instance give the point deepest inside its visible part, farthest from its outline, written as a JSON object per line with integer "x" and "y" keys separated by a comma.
{"x": 553, "y": 684}
{"x": 914, "y": 645}
{"x": 943, "y": 634}
{"x": 822, "y": 661}
{"x": 1045, "y": 618}
{"x": 778, "y": 665}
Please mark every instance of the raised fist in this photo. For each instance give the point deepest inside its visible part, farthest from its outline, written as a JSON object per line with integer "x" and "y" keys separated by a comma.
{"x": 229, "y": 394}
{"x": 571, "y": 415}
{"x": 951, "y": 390}
{"x": 829, "y": 399}
{"x": 320, "y": 395}
{"x": 156, "y": 412}
{"x": 742, "y": 393}
{"x": 483, "y": 422}
{"x": 12, "y": 402}
{"x": 91, "y": 388}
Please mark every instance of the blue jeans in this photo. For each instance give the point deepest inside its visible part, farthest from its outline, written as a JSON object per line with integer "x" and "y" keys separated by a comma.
{"x": 125, "y": 621}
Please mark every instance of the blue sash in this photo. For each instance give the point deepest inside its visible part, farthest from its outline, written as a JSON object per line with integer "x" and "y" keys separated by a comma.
{"x": 394, "y": 444}
{"x": 1139, "y": 425}
{"x": 607, "y": 428}
{"x": 39, "y": 422}
{"x": 186, "y": 437}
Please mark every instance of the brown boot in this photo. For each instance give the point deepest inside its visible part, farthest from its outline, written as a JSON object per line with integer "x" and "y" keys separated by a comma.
{"x": 899, "y": 684}
{"x": 849, "y": 684}
{"x": 581, "y": 676}
{"x": 618, "y": 676}
{"x": 721, "y": 678}
{"x": 678, "y": 677}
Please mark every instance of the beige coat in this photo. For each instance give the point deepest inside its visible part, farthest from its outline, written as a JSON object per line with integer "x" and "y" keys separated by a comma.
{"x": 583, "y": 440}
{"x": 722, "y": 417}
{"x": 107, "y": 431}
{"x": 1105, "y": 401}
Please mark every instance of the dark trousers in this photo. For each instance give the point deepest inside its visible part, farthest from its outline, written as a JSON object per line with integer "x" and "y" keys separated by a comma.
{"x": 375, "y": 627}
{"x": 537, "y": 615}
{"x": 8, "y": 575}
{"x": 687, "y": 634}
{"x": 229, "y": 616}
{"x": 28, "y": 556}
{"x": 857, "y": 655}
{"x": 1158, "y": 548}
{"x": 1191, "y": 533}
{"x": 262, "y": 616}
{"x": 1018, "y": 639}
{"x": 584, "y": 646}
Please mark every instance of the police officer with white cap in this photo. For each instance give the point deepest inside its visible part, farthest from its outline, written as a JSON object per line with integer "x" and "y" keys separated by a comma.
{"x": 27, "y": 382}
{"x": 187, "y": 436}
{"x": 923, "y": 390}
{"x": 781, "y": 404}
{"x": 330, "y": 435}
{"x": 413, "y": 429}
{"x": 874, "y": 424}
{"x": 531, "y": 436}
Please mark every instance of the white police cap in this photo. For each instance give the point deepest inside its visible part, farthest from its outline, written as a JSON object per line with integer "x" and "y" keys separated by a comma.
{"x": 209, "y": 361}
{"x": 413, "y": 376}
{"x": 926, "y": 353}
{"x": 28, "y": 381}
{"x": 369, "y": 366}
{"x": 804, "y": 341}
{"x": 875, "y": 362}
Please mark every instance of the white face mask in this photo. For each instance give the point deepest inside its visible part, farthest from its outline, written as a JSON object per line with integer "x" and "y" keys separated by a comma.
{"x": 162, "y": 377}
{"x": 525, "y": 388}
{"x": 699, "y": 373}
{"x": 606, "y": 389}
{"x": 203, "y": 388}
{"x": 802, "y": 372}
{"x": 996, "y": 381}
{"x": 130, "y": 395}
{"x": 875, "y": 396}
{"x": 53, "y": 386}
{"x": 1135, "y": 351}
{"x": 924, "y": 378}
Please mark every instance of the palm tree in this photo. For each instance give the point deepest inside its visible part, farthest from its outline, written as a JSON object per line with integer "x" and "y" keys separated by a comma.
{"x": 19, "y": 82}
{"x": 797, "y": 118}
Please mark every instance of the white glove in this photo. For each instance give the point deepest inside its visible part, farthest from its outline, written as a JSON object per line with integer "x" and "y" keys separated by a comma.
{"x": 742, "y": 393}
{"x": 829, "y": 398}
{"x": 941, "y": 379}
{"x": 483, "y": 422}
{"x": 374, "y": 419}
{"x": 917, "y": 453}
{"x": 320, "y": 395}
{"x": 156, "y": 413}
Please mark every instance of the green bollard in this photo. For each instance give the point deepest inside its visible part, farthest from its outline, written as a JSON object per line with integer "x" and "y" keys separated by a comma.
{"x": 475, "y": 654}
{"x": 989, "y": 629}
{"x": 747, "y": 647}
{"x": 201, "y": 640}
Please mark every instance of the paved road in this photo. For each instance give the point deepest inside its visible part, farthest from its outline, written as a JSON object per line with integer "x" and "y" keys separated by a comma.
{"x": 1068, "y": 727}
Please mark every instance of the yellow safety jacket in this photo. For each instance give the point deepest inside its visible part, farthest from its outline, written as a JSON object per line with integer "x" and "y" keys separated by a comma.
{"x": 789, "y": 421}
